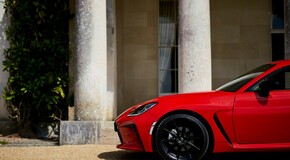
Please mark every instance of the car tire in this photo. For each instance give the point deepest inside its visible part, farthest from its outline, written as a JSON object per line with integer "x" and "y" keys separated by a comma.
{"x": 182, "y": 137}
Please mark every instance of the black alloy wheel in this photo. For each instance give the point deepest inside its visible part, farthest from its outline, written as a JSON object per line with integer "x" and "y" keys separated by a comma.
{"x": 182, "y": 137}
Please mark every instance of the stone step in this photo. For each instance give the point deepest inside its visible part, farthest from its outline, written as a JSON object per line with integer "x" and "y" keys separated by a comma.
{"x": 109, "y": 140}
{"x": 108, "y": 135}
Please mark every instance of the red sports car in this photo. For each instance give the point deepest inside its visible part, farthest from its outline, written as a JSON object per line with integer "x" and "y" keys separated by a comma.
{"x": 250, "y": 113}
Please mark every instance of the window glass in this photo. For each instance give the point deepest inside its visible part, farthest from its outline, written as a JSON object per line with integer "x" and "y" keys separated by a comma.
{"x": 278, "y": 45}
{"x": 279, "y": 80}
{"x": 239, "y": 82}
{"x": 168, "y": 46}
{"x": 278, "y": 30}
{"x": 277, "y": 14}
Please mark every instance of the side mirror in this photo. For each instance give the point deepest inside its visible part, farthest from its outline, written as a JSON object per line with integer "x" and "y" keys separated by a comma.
{"x": 265, "y": 86}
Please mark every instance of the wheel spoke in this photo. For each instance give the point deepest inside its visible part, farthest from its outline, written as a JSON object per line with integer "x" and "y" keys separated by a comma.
{"x": 178, "y": 152}
{"x": 192, "y": 145}
{"x": 169, "y": 140}
{"x": 189, "y": 135}
{"x": 177, "y": 128}
{"x": 183, "y": 131}
{"x": 170, "y": 132}
{"x": 188, "y": 153}
{"x": 189, "y": 132}
{"x": 192, "y": 138}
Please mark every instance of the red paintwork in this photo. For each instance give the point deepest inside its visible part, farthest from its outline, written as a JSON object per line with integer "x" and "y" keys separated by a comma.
{"x": 250, "y": 122}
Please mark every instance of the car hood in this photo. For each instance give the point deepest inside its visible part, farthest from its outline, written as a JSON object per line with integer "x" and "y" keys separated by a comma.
{"x": 209, "y": 99}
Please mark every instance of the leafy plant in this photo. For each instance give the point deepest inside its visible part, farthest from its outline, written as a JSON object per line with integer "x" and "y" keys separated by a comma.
{"x": 37, "y": 59}
{"x": 3, "y": 142}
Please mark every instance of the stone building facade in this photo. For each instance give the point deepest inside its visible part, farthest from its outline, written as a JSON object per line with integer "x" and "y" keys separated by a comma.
{"x": 129, "y": 51}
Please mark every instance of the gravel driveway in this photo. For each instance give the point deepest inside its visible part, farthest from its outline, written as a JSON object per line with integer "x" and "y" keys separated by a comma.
{"x": 109, "y": 152}
{"x": 80, "y": 152}
{"x": 35, "y": 149}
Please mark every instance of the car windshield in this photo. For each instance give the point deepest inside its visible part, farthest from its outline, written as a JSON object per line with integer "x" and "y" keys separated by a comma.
{"x": 240, "y": 81}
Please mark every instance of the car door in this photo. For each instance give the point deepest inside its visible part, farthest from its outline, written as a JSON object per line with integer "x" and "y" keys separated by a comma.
{"x": 264, "y": 119}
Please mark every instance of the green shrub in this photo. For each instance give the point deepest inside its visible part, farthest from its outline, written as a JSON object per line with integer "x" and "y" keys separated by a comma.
{"x": 3, "y": 142}
{"x": 37, "y": 59}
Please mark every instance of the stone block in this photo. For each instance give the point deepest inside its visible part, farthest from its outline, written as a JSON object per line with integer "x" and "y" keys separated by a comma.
{"x": 79, "y": 132}
{"x": 88, "y": 132}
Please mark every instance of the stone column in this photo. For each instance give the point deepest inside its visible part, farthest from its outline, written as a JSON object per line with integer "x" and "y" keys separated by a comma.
{"x": 91, "y": 60}
{"x": 5, "y": 22}
{"x": 194, "y": 46}
{"x": 90, "y": 74}
{"x": 111, "y": 59}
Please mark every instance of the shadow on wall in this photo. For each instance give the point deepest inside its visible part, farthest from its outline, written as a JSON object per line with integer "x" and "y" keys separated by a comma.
{"x": 4, "y": 44}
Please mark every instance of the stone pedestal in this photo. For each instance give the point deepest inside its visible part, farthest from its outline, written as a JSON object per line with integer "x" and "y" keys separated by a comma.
{"x": 195, "y": 46}
{"x": 79, "y": 132}
{"x": 88, "y": 132}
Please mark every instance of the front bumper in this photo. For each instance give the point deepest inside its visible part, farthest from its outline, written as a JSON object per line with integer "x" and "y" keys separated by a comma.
{"x": 135, "y": 132}
{"x": 129, "y": 137}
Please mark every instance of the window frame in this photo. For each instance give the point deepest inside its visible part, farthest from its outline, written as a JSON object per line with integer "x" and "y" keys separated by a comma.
{"x": 176, "y": 51}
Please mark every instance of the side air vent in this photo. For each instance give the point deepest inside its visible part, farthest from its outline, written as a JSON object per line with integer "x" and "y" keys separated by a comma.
{"x": 218, "y": 123}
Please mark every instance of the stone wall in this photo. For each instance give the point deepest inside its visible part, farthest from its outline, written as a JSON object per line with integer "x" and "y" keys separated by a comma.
{"x": 137, "y": 54}
{"x": 240, "y": 33}
{"x": 240, "y": 37}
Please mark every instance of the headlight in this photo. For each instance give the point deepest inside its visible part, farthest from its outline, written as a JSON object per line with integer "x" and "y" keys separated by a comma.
{"x": 142, "y": 109}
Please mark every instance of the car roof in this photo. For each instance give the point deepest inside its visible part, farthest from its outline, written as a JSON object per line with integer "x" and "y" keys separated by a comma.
{"x": 282, "y": 62}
